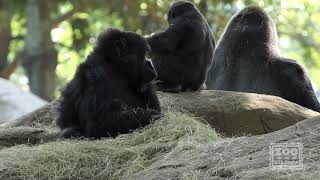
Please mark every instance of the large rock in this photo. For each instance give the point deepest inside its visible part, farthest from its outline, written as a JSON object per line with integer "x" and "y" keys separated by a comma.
{"x": 14, "y": 102}
{"x": 230, "y": 113}
{"x": 242, "y": 158}
{"x": 236, "y": 113}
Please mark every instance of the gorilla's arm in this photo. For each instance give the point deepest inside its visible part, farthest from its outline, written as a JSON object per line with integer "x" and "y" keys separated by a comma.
{"x": 195, "y": 38}
{"x": 121, "y": 118}
{"x": 152, "y": 101}
{"x": 293, "y": 80}
{"x": 83, "y": 99}
{"x": 68, "y": 114}
{"x": 68, "y": 119}
{"x": 144, "y": 114}
{"x": 97, "y": 112}
{"x": 167, "y": 41}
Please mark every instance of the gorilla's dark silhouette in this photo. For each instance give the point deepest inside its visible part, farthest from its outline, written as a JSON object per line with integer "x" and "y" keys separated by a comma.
{"x": 247, "y": 59}
{"x": 111, "y": 92}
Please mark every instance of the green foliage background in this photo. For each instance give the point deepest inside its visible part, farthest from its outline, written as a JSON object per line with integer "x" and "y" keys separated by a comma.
{"x": 297, "y": 22}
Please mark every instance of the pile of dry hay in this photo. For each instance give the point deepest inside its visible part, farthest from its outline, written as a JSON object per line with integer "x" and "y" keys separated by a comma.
{"x": 108, "y": 158}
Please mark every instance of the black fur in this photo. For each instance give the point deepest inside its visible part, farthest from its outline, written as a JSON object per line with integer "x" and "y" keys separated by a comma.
{"x": 247, "y": 59}
{"x": 111, "y": 92}
{"x": 182, "y": 54}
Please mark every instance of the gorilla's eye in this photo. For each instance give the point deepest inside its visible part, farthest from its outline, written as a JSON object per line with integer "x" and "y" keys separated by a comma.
{"x": 148, "y": 49}
{"x": 172, "y": 14}
{"x": 147, "y": 55}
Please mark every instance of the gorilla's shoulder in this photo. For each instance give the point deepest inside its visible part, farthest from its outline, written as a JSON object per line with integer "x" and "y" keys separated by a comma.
{"x": 288, "y": 68}
{"x": 91, "y": 71}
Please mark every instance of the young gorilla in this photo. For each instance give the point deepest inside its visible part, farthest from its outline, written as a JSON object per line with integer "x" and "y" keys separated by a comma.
{"x": 182, "y": 55}
{"x": 111, "y": 92}
{"x": 247, "y": 60}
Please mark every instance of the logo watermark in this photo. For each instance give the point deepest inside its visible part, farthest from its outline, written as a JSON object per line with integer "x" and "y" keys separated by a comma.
{"x": 286, "y": 156}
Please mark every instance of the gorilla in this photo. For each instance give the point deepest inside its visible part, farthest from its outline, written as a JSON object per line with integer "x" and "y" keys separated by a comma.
{"x": 182, "y": 55}
{"x": 111, "y": 92}
{"x": 247, "y": 59}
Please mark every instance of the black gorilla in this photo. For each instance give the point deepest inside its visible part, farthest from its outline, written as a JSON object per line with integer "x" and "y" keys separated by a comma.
{"x": 182, "y": 54}
{"x": 247, "y": 60}
{"x": 111, "y": 92}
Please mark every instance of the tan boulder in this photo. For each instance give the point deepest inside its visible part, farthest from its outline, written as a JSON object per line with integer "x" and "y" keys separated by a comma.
{"x": 236, "y": 113}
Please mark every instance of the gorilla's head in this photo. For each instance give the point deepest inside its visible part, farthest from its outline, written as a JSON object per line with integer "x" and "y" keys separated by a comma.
{"x": 126, "y": 53}
{"x": 253, "y": 23}
{"x": 182, "y": 9}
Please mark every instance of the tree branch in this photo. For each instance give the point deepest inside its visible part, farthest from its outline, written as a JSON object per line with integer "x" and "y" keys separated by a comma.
{"x": 19, "y": 37}
{"x": 10, "y": 68}
{"x": 62, "y": 18}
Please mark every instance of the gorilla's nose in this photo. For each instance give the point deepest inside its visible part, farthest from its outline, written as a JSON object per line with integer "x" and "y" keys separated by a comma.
{"x": 150, "y": 74}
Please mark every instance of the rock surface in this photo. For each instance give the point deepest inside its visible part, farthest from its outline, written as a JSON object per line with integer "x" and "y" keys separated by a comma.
{"x": 242, "y": 158}
{"x": 25, "y": 135}
{"x": 236, "y": 113}
{"x": 14, "y": 102}
{"x": 230, "y": 113}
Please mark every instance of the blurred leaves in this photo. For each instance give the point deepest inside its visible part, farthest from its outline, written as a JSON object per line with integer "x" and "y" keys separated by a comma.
{"x": 80, "y": 33}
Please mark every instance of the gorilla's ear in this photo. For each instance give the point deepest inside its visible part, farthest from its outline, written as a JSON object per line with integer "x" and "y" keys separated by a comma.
{"x": 121, "y": 46}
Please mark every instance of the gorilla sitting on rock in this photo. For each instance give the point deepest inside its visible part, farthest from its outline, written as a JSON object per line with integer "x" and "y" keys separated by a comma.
{"x": 182, "y": 54}
{"x": 247, "y": 59}
{"x": 111, "y": 92}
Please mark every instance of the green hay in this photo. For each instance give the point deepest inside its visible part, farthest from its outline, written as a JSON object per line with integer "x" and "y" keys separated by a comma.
{"x": 109, "y": 158}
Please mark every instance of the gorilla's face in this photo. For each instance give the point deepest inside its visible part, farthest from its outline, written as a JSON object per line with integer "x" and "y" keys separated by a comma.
{"x": 126, "y": 52}
{"x": 140, "y": 71}
{"x": 181, "y": 9}
{"x": 148, "y": 75}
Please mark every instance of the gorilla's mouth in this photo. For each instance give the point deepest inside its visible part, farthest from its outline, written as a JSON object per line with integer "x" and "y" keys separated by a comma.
{"x": 143, "y": 88}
